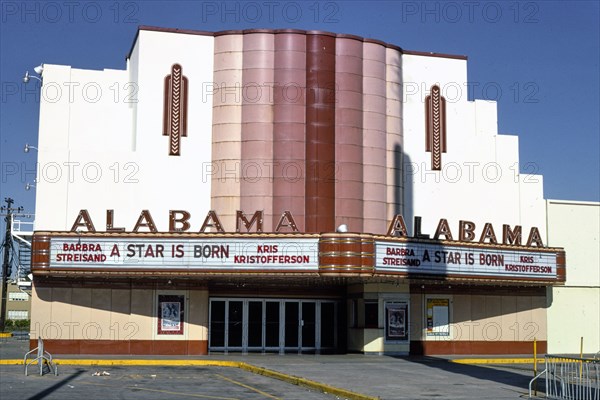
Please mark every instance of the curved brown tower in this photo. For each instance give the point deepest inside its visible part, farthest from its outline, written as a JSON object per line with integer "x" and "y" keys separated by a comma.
{"x": 306, "y": 122}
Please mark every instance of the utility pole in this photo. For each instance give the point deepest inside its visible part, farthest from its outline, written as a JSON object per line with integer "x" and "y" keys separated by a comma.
{"x": 8, "y": 247}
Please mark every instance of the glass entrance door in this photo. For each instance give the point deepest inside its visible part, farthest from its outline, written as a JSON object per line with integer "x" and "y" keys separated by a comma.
{"x": 255, "y": 325}
{"x": 308, "y": 325}
{"x": 292, "y": 313}
{"x": 217, "y": 324}
{"x": 272, "y": 325}
{"x": 328, "y": 325}
{"x": 235, "y": 325}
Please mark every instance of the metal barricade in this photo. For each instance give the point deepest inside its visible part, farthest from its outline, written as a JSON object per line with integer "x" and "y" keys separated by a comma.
{"x": 42, "y": 357}
{"x": 571, "y": 378}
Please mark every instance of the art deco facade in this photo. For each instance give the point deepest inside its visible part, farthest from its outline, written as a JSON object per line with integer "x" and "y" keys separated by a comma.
{"x": 212, "y": 181}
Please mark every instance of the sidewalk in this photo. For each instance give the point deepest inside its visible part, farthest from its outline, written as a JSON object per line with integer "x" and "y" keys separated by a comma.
{"x": 374, "y": 376}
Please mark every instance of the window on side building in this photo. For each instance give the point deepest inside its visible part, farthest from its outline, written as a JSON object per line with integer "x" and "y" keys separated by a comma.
{"x": 14, "y": 314}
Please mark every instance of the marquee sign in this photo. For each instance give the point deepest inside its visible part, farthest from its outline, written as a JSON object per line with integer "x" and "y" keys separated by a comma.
{"x": 179, "y": 222}
{"x": 441, "y": 259}
{"x": 185, "y": 253}
{"x": 324, "y": 254}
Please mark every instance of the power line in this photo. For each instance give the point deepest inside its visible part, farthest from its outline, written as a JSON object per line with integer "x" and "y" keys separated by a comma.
{"x": 8, "y": 252}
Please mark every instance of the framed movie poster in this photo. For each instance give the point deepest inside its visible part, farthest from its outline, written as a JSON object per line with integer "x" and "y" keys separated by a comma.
{"x": 170, "y": 314}
{"x": 396, "y": 321}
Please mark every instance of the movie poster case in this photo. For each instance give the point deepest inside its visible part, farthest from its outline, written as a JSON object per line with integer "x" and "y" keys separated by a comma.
{"x": 438, "y": 316}
{"x": 396, "y": 321}
{"x": 170, "y": 314}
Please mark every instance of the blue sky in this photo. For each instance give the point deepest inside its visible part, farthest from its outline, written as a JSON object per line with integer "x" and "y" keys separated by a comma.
{"x": 538, "y": 59}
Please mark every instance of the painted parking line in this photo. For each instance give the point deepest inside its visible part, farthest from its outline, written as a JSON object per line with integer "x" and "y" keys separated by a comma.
{"x": 247, "y": 386}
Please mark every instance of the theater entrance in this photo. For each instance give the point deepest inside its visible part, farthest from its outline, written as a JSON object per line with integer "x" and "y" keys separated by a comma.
{"x": 272, "y": 325}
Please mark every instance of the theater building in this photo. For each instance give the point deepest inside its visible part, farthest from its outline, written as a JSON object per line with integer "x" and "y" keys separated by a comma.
{"x": 283, "y": 191}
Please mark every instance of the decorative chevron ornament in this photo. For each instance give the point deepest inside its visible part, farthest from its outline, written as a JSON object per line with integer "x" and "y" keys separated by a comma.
{"x": 175, "y": 108}
{"x": 435, "y": 126}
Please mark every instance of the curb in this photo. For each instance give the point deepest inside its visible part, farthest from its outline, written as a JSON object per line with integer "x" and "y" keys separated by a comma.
{"x": 133, "y": 362}
{"x": 347, "y": 394}
{"x": 476, "y": 361}
{"x": 294, "y": 380}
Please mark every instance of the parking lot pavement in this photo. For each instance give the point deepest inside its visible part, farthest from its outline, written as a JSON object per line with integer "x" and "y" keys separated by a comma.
{"x": 148, "y": 383}
{"x": 387, "y": 378}
{"x": 14, "y": 347}
{"x": 405, "y": 378}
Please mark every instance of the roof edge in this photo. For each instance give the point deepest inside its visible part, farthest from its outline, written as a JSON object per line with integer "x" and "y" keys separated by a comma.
{"x": 284, "y": 30}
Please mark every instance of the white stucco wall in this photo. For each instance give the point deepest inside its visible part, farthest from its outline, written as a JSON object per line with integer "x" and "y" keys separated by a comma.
{"x": 480, "y": 179}
{"x": 110, "y": 133}
{"x": 574, "y": 309}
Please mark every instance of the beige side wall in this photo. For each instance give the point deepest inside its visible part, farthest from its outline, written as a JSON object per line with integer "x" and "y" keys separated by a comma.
{"x": 111, "y": 314}
{"x": 485, "y": 318}
{"x": 574, "y": 314}
{"x": 574, "y": 309}
{"x": 575, "y": 226}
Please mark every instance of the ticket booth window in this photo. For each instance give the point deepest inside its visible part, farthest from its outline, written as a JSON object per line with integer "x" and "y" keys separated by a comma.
{"x": 371, "y": 314}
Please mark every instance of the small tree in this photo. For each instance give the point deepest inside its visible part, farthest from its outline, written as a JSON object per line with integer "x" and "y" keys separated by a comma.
{"x": 21, "y": 324}
{"x": 8, "y": 324}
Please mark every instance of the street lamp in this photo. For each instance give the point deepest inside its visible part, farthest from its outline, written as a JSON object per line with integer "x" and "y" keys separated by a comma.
{"x": 28, "y": 147}
{"x": 38, "y": 70}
